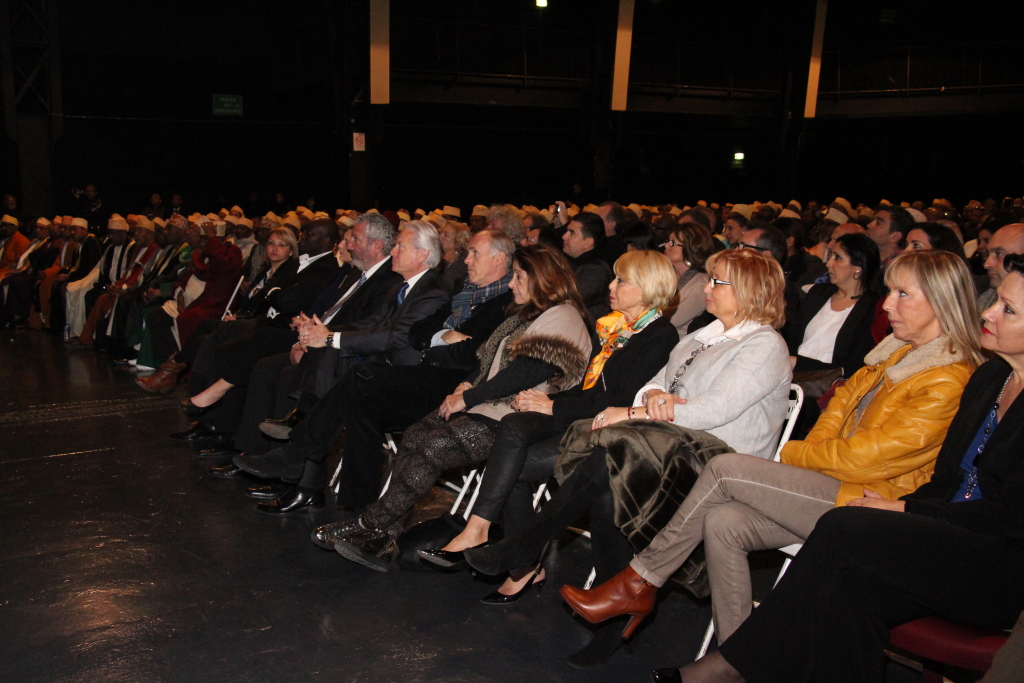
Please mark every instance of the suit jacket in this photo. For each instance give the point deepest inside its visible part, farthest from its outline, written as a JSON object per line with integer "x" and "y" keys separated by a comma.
{"x": 854, "y": 340}
{"x": 288, "y": 302}
{"x": 999, "y": 511}
{"x": 479, "y": 326}
{"x": 381, "y": 336}
{"x": 365, "y": 301}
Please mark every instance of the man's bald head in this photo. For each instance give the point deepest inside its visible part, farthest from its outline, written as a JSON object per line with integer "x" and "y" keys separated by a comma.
{"x": 1008, "y": 239}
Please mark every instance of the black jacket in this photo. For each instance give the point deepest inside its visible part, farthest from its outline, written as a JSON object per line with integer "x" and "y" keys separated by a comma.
{"x": 365, "y": 301}
{"x": 255, "y": 304}
{"x": 1000, "y": 510}
{"x": 479, "y": 326}
{"x": 853, "y": 341}
{"x": 124, "y": 262}
{"x": 593, "y": 275}
{"x": 88, "y": 256}
{"x": 628, "y": 369}
{"x": 289, "y": 301}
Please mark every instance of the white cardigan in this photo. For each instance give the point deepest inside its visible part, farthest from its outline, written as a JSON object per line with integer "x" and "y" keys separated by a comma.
{"x": 736, "y": 389}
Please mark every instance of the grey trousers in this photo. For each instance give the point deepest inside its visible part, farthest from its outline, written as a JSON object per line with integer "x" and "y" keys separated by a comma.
{"x": 738, "y": 504}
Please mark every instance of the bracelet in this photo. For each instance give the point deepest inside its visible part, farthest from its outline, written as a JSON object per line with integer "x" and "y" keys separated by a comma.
{"x": 629, "y": 413}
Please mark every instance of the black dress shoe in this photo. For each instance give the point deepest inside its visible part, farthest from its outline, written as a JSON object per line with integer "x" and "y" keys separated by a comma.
{"x": 371, "y": 548}
{"x": 218, "y": 453}
{"x": 326, "y": 535}
{"x": 196, "y": 431}
{"x": 446, "y": 559}
{"x": 666, "y": 676}
{"x": 281, "y": 429}
{"x": 497, "y": 598}
{"x": 292, "y": 501}
{"x": 190, "y": 408}
{"x": 268, "y": 492}
{"x": 273, "y": 464}
{"x": 229, "y": 471}
{"x": 213, "y": 440}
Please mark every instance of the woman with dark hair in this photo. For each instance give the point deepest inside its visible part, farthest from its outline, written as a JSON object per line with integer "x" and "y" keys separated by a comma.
{"x": 638, "y": 237}
{"x": 953, "y": 548}
{"x": 934, "y": 236}
{"x": 688, "y": 249}
{"x": 833, "y": 326}
{"x": 543, "y": 344}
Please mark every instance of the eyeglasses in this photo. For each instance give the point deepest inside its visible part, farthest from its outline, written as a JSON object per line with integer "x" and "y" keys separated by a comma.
{"x": 713, "y": 281}
{"x": 670, "y": 243}
{"x": 752, "y": 246}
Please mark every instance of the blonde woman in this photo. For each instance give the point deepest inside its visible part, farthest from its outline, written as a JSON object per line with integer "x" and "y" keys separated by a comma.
{"x": 878, "y": 438}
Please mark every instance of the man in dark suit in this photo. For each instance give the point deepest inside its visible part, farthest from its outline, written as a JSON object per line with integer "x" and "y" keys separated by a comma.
{"x": 385, "y": 337}
{"x": 582, "y": 243}
{"x": 345, "y": 301}
{"x": 374, "y": 397}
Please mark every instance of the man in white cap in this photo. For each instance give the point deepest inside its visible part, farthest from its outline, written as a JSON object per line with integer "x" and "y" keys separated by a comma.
{"x": 17, "y": 284}
{"x": 451, "y": 213}
{"x": 89, "y": 252}
{"x": 114, "y": 263}
{"x": 478, "y": 219}
{"x": 13, "y": 243}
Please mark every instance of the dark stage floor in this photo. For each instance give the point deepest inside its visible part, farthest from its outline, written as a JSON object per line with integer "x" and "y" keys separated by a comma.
{"x": 123, "y": 561}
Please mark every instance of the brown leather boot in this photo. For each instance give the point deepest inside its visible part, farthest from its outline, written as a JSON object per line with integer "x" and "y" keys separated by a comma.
{"x": 624, "y": 593}
{"x": 164, "y": 379}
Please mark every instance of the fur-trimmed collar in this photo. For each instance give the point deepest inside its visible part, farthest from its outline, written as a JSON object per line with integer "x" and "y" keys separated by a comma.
{"x": 936, "y": 353}
{"x": 558, "y": 351}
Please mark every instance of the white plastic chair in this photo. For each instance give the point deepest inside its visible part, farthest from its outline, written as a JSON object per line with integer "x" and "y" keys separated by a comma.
{"x": 796, "y": 402}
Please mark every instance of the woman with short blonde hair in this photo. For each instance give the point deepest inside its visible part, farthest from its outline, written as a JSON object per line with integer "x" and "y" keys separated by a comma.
{"x": 756, "y": 285}
{"x": 652, "y": 272}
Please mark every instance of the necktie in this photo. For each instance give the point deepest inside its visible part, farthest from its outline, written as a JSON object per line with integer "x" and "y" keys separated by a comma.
{"x": 402, "y": 292}
{"x": 333, "y": 310}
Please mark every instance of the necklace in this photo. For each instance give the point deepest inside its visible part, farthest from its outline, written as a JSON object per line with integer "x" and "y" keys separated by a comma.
{"x": 682, "y": 368}
{"x": 989, "y": 426}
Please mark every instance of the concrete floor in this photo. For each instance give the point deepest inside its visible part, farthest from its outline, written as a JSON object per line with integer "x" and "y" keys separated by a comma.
{"x": 123, "y": 561}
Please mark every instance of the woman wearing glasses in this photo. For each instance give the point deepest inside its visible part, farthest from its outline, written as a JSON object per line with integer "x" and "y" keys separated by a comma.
{"x": 878, "y": 439}
{"x": 688, "y": 249}
{"x": 725, "y": 387}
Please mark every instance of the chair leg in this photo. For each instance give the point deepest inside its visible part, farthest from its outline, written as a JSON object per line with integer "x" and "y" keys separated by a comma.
{"x": 707, "y": 640}
{"x": 590, "y": 579}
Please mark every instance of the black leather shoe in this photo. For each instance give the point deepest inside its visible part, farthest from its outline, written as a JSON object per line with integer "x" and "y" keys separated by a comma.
{"x": 268, "y": 492}
{"x": 218, "y": 453}
{"x": 371, "y": 548}
{"x": 666, "y": 676}
{"x": 197, "y": 430}
{"x": 273, "y": 464}
{"x": 281, "y": 429}
{"x": 190, "y": 408}
{"x": 497, "y": 598}
{"x": 291, "y": 502}
{"x": 326, "y": 535}
{"x": 446, "y": 559}
{"x": 229, "y": 471}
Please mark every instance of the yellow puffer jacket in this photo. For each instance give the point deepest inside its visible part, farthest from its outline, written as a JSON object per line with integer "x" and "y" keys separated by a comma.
{"x": 892, "y": 450}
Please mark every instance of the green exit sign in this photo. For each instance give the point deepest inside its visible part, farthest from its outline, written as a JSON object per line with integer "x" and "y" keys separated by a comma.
{"x": 227, "y": 105}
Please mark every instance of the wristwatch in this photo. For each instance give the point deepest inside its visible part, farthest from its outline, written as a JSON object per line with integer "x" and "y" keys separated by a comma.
{"x": 329, "y": 341}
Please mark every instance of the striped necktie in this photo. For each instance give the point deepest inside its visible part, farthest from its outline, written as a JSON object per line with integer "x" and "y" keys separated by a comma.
{"x": 333, "y": 310}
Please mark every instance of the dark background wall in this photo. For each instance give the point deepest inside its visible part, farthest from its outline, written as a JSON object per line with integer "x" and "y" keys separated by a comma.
{"x": 502, "y": 101}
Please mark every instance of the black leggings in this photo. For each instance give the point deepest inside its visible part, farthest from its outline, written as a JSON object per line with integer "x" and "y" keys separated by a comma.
{"x": 862, "y": 572}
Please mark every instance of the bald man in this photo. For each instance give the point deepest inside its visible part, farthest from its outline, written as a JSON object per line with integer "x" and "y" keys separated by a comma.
{"x": 1008, "y": 239}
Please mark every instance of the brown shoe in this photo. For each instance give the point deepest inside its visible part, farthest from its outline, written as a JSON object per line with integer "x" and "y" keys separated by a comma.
{"x": 164, "y": 379}
{"x": 624, "y": 593}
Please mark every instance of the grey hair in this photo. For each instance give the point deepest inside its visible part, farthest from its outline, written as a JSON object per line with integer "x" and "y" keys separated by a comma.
{"x": 508, "y": 221}
{"x": 425, "y": 236}
{"x": 378, "y": 228}
{"x": 500, "y": 243}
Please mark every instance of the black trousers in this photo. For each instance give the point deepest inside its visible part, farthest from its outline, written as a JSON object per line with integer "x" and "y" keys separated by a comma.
{"x": 161, "y": 328}
{"x": 504, "y": 489}
{"x": 862, "y": 572}
{"x": 20, "y": 288}
{"x": 236, "y": 357}
{"x": 266, "y": 396}
{"x": 369, "y": 400}
{"x": 58, "y": 314}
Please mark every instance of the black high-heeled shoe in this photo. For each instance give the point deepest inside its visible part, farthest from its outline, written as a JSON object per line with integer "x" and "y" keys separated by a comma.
{"x": 666, "y": 676}
{"x": 190, "y": 408}
{"x": 497, "y": 598}
{"x": 452, "y": 560}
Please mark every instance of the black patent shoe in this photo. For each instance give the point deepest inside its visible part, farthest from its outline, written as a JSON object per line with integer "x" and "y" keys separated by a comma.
{"x": 497, "y": 598}
{"x": 293, "y": 502}
{"x": 268, "y": 492}
{"x": 190, "y": 408}
{"x": 229, "y": 471}
{"x": 275, "y": 464}
{"x": 666, "y": 676}
{"x": 445, "y": 559}
{"x": 281, "y": 429}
